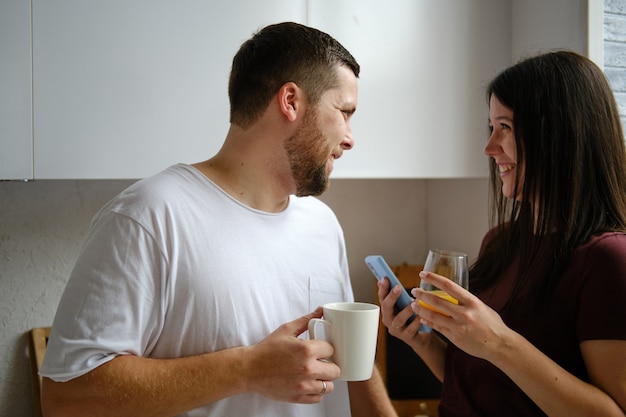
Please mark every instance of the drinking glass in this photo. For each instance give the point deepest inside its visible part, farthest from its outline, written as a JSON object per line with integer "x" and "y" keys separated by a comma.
{"x": 450, "y": 264}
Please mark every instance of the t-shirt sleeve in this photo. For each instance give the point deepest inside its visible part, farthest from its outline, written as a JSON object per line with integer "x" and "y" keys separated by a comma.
{"x": 602, "y": 306}
{"x": 107, "y": 308}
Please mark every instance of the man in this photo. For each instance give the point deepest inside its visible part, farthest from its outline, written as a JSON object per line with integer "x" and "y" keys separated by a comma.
{"x": 185, "y": 297}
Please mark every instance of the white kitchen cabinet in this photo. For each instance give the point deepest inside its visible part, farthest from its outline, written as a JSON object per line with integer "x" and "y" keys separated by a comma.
{"x": 16, "y": 141}
{"x": 540, "y": 25}
{"x": 125, "y": 88}
{"x": 422, "y": 110}
{"x": 122, "y": 89}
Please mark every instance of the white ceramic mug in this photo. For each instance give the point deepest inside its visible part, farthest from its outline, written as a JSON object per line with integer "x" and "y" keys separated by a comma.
{"x": 352, "y": 329}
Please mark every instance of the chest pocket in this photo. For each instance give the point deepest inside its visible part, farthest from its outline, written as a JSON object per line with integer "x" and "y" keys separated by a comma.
{"x": 324, "y": 290}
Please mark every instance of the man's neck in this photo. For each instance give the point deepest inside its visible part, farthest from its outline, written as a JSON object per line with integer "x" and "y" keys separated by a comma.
{"x": 246, "y": 183}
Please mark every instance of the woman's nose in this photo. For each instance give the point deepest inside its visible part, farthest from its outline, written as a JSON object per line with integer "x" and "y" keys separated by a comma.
{"x": 492, "y": 145}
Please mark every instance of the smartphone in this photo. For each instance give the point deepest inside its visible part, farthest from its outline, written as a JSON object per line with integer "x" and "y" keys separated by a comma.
{"x": 380, "y": 269}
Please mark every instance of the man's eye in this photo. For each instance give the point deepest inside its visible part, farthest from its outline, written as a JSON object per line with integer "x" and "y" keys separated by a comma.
{"x": 347, "y": 113}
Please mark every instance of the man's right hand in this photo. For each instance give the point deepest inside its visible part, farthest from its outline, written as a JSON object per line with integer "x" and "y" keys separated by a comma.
{"x": 283, "y": 367}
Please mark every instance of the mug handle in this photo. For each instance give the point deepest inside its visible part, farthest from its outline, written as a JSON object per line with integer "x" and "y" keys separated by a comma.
{"x": 313, "y": 323}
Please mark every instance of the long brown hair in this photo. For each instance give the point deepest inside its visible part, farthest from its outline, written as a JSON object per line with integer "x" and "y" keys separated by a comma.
{"x": 570, "y": 142}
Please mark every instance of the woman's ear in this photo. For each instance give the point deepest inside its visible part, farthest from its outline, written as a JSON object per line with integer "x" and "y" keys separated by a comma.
{"x": 290, "y": 100}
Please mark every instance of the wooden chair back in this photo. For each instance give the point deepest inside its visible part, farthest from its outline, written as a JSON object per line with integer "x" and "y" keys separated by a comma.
{"x": 37, "y": 342}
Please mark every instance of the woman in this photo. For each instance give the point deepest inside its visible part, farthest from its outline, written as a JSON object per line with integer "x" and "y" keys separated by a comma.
{"x": 543, "y": 331}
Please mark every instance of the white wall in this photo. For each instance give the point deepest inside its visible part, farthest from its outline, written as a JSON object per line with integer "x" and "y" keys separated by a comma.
{"x": 42, "y": 225}
{"x": 402, "y": 219}
{"x": 614, "y": 54}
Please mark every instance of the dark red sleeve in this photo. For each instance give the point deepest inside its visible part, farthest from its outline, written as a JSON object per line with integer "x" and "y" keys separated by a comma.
{"x": 602, "y": 308}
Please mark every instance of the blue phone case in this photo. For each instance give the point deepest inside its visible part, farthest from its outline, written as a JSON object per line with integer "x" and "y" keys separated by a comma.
{"x": 380, "y": 269}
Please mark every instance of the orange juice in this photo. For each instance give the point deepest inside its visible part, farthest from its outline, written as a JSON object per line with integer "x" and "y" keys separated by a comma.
{"x": 440, "y": 294}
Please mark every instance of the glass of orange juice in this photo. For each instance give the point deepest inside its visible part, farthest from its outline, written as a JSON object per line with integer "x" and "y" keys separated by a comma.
{"x": 450, "y": 264}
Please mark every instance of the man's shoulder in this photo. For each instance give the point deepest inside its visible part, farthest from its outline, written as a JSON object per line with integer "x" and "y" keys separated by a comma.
{"x": 173, "y": 186}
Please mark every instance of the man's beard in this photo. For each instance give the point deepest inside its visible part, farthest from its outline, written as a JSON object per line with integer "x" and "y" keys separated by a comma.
{"x": 303, "y": 152}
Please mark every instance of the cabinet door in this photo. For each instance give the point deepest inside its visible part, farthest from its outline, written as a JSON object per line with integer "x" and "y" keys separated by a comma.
{"x": 16, "y": 144}
{"x": 124, "y": 88}
{"x": 557, "y": 24}
{"x": 422, "y": 111}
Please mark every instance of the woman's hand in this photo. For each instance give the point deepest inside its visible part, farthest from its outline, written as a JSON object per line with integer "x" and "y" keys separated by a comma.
{"x": 471, "y": 325}
{"x": 398, "y": 323}
{"x": 426, "y": 344}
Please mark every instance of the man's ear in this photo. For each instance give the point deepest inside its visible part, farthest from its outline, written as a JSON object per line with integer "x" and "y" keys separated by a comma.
{"x": 291, "y": 100}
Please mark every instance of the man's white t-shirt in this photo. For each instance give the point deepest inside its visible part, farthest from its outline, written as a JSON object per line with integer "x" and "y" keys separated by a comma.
{"x": 174, "y": 267}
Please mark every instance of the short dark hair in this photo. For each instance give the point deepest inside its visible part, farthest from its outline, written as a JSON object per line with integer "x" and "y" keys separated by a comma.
{"x": 281, "y": 53}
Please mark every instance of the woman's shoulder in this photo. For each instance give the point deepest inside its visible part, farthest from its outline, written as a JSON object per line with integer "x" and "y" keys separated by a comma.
{"x": 606, "y": 242}
{"x": 606, "y": 249}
